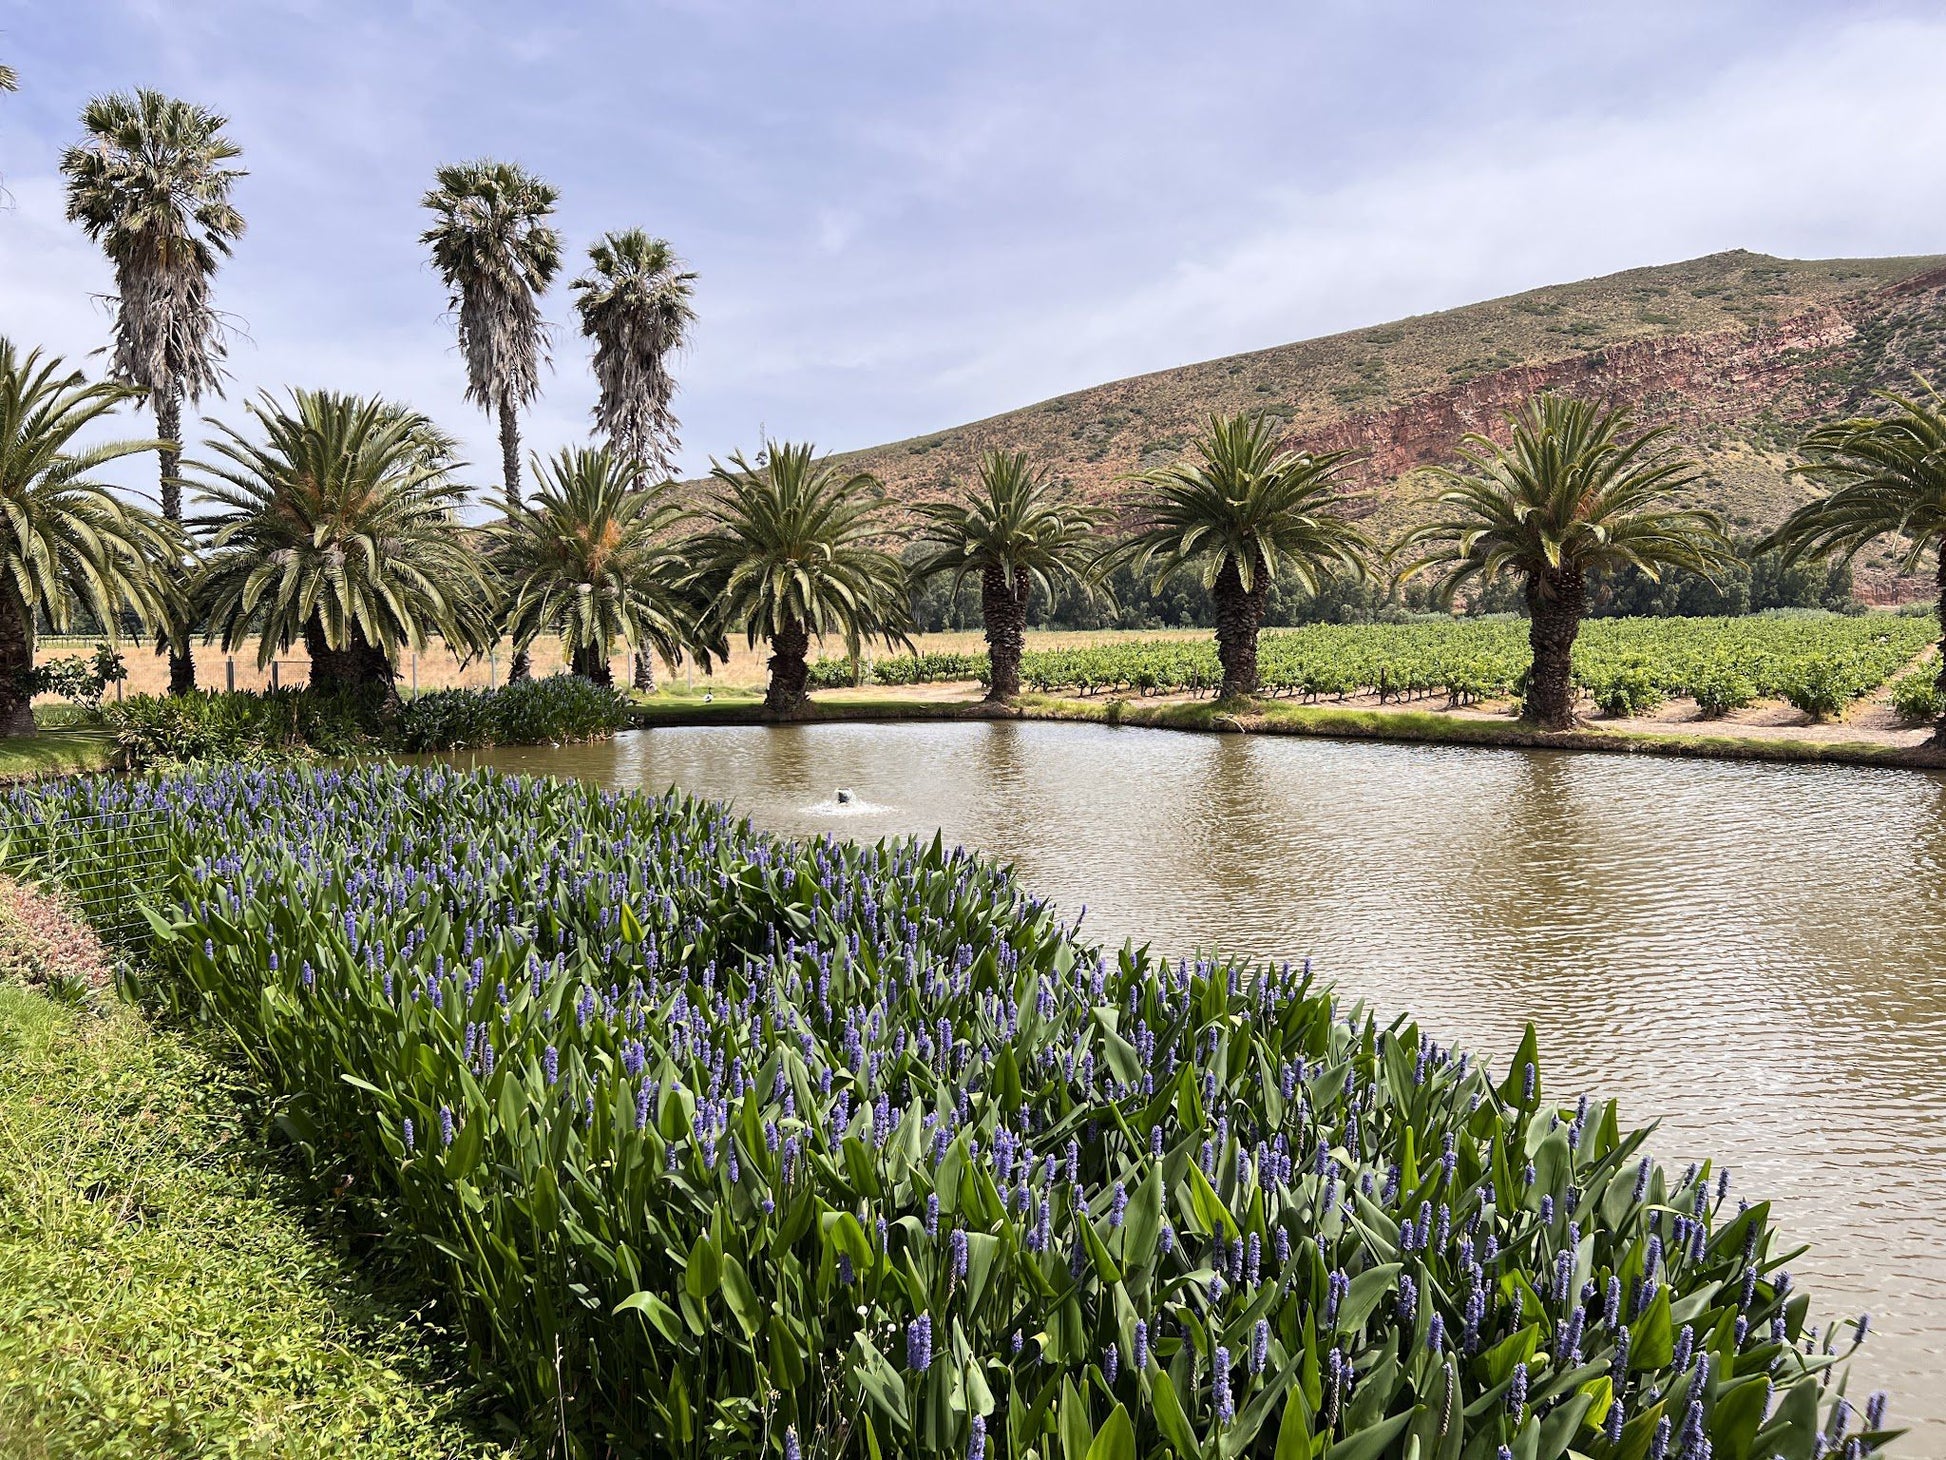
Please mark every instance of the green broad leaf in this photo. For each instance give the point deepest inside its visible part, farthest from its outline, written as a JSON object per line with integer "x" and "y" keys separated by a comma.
{"x": 1514, "y": 1086}
{"x": 1553, "y": 1164}
{"x": 1006, "y": 1080}
{"x": 631, "y": 926}
{"x": 1365, "y": 1293}
{"x": 1371, "y": 1441}
{"x": 879, "y": 1381}
{"x": 741, "y": 1298}
{"x": 705, "y": 1270}
{"x": 981, "y": 1249}
{"x": 1515, "y": 1348}
{"x": 1736, "y": 1417}
{"x": 1077, "y": 1426}
{"x": 1120, "y": 1055}
{"x": 1207, "y": 1205}
{"x": 1105, "y": 1267}
{"x": 786, "y": 1354}
{"x": 659, "y": 1314}
{"x": 1170, "y": 1419}
{"x": 1294, "y": 1434}
{"x": 1142, "y": 1223}
{"x": 1652, "y": 1339}
{"x": 1115, "y": 1440}
{"x": 1792, "y": 1431}
{"x": 1562, "y": 1423}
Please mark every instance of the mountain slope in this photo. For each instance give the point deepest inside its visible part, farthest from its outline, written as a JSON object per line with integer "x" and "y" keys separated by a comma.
{"x": 1736, "y": 350}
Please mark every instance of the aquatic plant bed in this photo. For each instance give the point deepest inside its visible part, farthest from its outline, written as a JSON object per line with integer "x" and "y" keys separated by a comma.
{"x": 720, "y": 1145}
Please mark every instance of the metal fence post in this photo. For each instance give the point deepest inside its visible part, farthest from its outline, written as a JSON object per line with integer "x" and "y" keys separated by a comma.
{"x": 229, "y": 673}
{"x": 273, "y": 674}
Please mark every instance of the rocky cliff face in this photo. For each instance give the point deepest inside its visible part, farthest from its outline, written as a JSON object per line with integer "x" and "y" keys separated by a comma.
{"x": 1737, "y": 352}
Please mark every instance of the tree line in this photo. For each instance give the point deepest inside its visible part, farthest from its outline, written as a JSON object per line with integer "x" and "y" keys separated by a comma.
{"x": 334, "y": 519}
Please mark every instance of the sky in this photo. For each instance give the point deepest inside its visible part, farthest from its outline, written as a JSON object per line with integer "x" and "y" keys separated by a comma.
{"x": 911, "y": 214}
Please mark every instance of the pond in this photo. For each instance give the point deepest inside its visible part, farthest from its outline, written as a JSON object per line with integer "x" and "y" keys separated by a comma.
{"x": 1754, "y": 955}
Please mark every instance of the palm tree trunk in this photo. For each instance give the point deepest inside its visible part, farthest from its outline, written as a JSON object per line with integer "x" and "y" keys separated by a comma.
{"x": 521, "y": 668}
{"x": 788, "y": 646}
{"x": 358, "y": 667}
{"x": 645, "y": 670}
{"x": 1239, "y": 614}
{"x": 1003, "y": 609}
{"x": 1556, "y": 602}
{"x": 168, "y": 425}
{"x": 16, "y": 666}
{"x": 590, "y": 661}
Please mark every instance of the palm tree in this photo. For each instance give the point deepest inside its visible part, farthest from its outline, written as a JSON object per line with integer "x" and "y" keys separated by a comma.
{"x": 65, "y": 539}
{"x": 339, "y": 528}
{"x": 1244, "y": 507}
{"x": 635, "y": 305}
{"x": 497, "y": 252}
{"x": 1883, "y": 475}
{"x": 150, "y": 184}
{"x": 1568, "y": 497}
{"x": 790, "y": 551}
{"x": 591, "y": 558}
{"x": 1013, "y": 533}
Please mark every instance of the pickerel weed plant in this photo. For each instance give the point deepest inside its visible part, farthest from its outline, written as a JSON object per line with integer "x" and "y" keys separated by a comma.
{"x": 720, "y": 1145}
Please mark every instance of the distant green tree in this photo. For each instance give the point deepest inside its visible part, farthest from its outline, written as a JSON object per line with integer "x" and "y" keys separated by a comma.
{"x": 1882, "y": 476}
{"x": 791, "y": 548}
{"x": 1014, "y": 535}
{"x": 151, "y": 184}
{"x": 1570, "y": 495}
{"x": 1243, "y": 507}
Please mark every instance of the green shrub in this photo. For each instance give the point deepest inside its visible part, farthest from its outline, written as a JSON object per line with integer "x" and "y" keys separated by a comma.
{"x": 161, "y": 730}
{"x": 1629, "y": 692}
{"x": 1916, "y": 696}
{"x": 558, "y": 709}
{"x": 719, "y": 1145}
{"x": 1821, "y": 690}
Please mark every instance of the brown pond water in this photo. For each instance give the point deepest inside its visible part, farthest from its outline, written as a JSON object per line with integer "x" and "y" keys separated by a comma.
{"x": 1753, "y": 955}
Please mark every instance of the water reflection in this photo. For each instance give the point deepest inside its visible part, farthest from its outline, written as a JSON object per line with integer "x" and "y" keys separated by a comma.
{"x": 1749, "y": 953}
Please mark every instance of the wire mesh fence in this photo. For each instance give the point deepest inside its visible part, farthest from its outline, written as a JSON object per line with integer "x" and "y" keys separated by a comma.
{"x": 108, "y": 864}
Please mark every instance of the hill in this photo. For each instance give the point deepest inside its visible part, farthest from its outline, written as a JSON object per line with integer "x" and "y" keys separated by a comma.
{"x": 1738, "y": 351}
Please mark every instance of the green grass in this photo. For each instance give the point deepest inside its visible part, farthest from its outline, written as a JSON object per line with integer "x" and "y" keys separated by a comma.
{"x": 158, "y": 1294}
{"x": 54, "y": 752}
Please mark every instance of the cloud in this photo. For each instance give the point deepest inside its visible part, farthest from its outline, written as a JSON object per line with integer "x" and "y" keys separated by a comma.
{"x": 904, "y": 217}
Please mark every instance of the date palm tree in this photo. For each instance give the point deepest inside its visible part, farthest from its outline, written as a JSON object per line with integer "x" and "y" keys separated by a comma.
{"x": 634, "y": 303}
{"x": 1882, "y": 476}
{"x": 338, "y": 528}
{"x": 151, "y": 184}
{"x": 592, "y": 558}
{"x": 1016, "y": 536}
{"x": 790, "y": 550}
{"x": 1244, "y": 507}
{"x": 66, "y": 541}
{"x": 1572, "y": 494}
{"x": 497, "y": 253}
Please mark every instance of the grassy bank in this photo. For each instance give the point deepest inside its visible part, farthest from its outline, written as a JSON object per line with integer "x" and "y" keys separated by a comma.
{"x": 55, "y": 753}
{"x": 158, "y": 1296}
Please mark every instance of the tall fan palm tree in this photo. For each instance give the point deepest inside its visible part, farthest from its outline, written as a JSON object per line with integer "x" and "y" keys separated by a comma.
{"x": 1244, "y": 507}
{"x": 338, "y": 528}
{"x": 497, "y": 252}
{"x": 634, "y": 303}
{"x": 66, "y": 541}
{"x": 1570, "y": 495}
{"x": 592, "y": 558}
{"x": 790, "y": 550}
{"x": 1016, "y": 536}
{"x": 1882, "y": 475}
{"x": 150, "y": 183}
